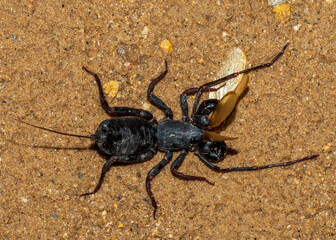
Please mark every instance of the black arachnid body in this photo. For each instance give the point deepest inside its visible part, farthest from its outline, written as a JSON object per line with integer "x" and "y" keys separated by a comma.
{"x": 133, "y": 135}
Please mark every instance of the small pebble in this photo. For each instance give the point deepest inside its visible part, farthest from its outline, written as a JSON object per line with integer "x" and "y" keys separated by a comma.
{"x": 296, "y": 27}
{"x": 224, "y": 34}
{"x": 166, "y": 45}
{"x": 225, "y": 176}
{"x": 111, "y": 88}
{"x": 326, "y": 148}
{"x": 275, "y": 2}
{"x": 282, "y": 12}
{"x": 121, "y": 50}
{"x": 146, "y": 106}
{"x": 145, "y": 32}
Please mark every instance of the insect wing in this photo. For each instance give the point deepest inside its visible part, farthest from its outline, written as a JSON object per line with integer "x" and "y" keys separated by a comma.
{"x": 225, "y": 106}
{"x": 215, "y": 137}
{"x": 233, "y": 88}
{"x": 234, "y": 62}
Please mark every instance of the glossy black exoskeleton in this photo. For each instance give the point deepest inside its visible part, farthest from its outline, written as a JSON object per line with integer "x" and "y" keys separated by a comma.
{"x": 133, "y": 135}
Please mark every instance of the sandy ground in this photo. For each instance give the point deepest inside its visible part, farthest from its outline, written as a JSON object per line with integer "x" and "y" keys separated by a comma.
{"x": 287, "y": 113}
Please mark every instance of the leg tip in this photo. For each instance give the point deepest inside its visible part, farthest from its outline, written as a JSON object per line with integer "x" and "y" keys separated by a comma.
{"x": 86, "y": 194}
{"x": 154, "y": 213}
{"x": 211, "y": 183}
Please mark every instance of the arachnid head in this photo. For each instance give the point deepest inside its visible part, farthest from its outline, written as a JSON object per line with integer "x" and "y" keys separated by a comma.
{"x": 213, "y": 151}
{"x": 100, "y": 136}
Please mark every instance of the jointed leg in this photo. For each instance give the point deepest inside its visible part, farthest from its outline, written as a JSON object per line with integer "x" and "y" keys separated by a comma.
{"x": 252, "y": 168}
{"x": 178, "y": 162}
{"x": 118, "y": 111}
{"x": 152, "y": 173}
{"x": 154, "y": 99}
{"x": 106, "y": 167}
{"x": 120, "y": 159}
{"x": 209, "y": 84}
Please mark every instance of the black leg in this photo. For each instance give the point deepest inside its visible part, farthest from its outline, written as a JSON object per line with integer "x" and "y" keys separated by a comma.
{"x": 252, "y": 168}
{"x": 184, "y": 103}
{"x": 120, "y": 159}
{"x": 118, "y": 111}
{"x": 154, "y": 99}
{"x": 178, "y": 162}
{"x": 218, "y": 81}
{"x": 152, "y": 173}
{"x": 106, "y": 167}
